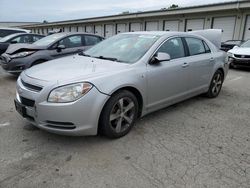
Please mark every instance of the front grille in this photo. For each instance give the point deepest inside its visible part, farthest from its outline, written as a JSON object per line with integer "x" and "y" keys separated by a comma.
{"x": 27, "y": 102}
{"x": 31, "y": 87}
{"x": 242, "y": 56}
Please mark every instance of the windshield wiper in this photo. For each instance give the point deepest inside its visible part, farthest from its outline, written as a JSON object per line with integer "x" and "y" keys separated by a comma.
{"x": 108, "y": 58}
{"x": 83, "y": 54}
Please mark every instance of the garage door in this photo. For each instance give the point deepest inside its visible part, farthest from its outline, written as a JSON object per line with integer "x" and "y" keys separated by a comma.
{"x": 81, "y": 28}
{"x": 247, "y": 29}
{"x": 66, "y": 29}
{"x": 73, "y": 29}
{"x": 120, "y": 28}
{"x": 135, "y": 27}
{"x": 98, "y": 30}
{"x": 194, "y": 24}
{"x": 172, "y": 25}
{"x": 109, "y": 30}
{"x": 152, "y": 26}
{"x": 89, "y": 29}
{"x": 227, "y": 24}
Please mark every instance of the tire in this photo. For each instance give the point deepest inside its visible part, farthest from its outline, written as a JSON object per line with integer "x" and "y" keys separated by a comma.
{"x": 119, "y": 115}
{"x": 216, "y": 84}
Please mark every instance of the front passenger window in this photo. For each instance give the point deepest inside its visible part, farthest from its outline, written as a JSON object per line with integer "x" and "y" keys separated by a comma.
{"x": 174, "y": 47}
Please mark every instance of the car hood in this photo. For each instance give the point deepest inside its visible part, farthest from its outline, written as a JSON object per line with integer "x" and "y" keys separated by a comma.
{"x": 15, "y": 48}
{"x": 240, "y": 51}
{"x": 73, "y": 68}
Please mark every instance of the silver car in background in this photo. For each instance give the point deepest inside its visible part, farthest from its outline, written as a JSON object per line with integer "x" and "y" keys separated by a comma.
{"x": 106, "y": 88}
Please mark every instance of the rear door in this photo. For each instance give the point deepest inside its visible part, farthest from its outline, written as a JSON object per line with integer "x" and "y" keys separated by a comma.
{"x": 167, "y": 80}
{"x": 200, "y": 64}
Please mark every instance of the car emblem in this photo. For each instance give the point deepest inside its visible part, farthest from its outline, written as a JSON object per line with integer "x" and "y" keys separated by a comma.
{"x": 243, "y": 56}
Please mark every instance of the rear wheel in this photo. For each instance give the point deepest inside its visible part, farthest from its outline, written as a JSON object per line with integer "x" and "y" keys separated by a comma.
{"x": 119, "y": 114}
{"x": 216, "y": 84}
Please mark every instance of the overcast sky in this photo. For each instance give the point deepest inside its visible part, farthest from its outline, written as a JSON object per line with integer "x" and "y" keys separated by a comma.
{"x": 56, "y": 10}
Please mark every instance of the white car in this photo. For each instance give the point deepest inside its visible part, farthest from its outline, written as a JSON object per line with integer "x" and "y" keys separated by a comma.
{"x": 240, "y": 55}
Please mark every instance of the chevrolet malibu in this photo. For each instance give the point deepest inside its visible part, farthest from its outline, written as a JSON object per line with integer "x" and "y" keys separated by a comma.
{"x": 106, "y": 88}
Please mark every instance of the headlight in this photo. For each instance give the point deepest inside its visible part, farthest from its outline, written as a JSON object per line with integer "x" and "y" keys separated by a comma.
{"x": 229, "y": 54}
{"x": 69, "y": 93}
{"x": 22, "y": 54}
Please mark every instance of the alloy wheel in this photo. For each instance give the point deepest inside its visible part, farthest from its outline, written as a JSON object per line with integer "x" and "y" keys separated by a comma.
{"x": 122, "y": 114}
{"x": 217, "y": 84}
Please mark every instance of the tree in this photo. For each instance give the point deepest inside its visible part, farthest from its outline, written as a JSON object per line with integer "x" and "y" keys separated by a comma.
{"x": 173, "y": 6}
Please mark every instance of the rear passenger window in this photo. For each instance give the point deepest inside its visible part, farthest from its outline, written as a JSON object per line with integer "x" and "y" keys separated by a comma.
{"x": 174, "y": 47}
{"x": 195, "y": 46}
{"x": 91, "y": 40}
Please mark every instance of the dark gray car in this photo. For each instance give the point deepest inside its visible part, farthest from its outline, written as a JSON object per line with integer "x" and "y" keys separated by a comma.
{"x": 18, "y": 38}
{"x": 22, "y": 56}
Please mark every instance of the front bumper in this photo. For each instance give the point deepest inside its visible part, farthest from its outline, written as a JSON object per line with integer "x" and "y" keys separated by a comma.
{"x": 16, "y": 65}
{"x": 245, "y": 62}
{"x": 74, "y": 119}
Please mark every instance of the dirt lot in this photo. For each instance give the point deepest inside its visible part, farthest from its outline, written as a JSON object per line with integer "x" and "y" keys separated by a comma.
{"x": 197, "y": 143}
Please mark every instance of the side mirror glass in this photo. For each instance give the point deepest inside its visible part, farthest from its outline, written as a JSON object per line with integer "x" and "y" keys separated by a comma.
{"x": 159, "y": 57}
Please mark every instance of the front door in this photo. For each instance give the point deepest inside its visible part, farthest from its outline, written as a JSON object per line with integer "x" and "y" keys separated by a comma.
{"x": 167, "y": 80}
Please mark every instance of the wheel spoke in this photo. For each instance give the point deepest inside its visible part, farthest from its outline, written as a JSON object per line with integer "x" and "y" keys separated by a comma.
{"x": 127, "y": 119}
{"x": 214, "y": 89}
{"x": 114, "y": 116}
{"x": 129, "y": 107}
{"x": 119, "y": 125}
{"x": 121, "y": 103}
{"x": 219, "y": 82}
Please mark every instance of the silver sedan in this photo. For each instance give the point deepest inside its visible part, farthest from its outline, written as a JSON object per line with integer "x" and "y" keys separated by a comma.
{"x": 106, "y": 88}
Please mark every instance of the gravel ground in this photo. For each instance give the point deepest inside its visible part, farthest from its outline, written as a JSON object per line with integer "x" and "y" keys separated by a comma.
{"x": 197, "y": 143}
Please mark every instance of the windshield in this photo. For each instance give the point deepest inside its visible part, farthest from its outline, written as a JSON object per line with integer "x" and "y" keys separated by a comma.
{"x": 5, "y": 39}
{"x": 246, "y": 44}
{"x": 127, "y": 48}
{"x": 49, "y": 39}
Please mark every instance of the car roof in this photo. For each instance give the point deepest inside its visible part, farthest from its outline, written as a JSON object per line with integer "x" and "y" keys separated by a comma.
{"x": 77, "y": 33}
{"x": 15, "y": 29}
{"x": 19, "y": 34}
{"x": 162, "y": 33}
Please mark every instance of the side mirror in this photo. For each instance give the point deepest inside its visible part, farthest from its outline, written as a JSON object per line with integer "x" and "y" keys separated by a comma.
{"x": 13, "y": 42}
{"x": 60, "y": 47}
{"x": 236, "y": 46}
{"x": 159, "y": 57}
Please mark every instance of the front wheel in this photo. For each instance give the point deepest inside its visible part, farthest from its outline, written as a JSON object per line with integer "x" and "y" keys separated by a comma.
{"x": 215, "y": 85}
{"x": 119, "y": 114}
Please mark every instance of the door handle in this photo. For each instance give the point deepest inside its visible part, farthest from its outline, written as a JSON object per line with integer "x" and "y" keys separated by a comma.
{"x": 184, "y": 65}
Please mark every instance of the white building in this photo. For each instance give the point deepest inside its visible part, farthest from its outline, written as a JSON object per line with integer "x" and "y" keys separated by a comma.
{"x": 232, "y": 17}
